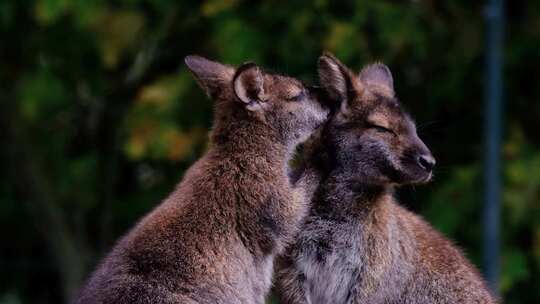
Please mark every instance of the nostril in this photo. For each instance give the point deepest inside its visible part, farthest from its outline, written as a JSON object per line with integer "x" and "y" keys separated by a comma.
{"x": 427, "y": 162}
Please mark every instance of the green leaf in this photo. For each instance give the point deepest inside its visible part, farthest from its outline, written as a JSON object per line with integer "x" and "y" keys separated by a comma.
{"x": 40, "y": 94}
{"x": 48, "y": 11}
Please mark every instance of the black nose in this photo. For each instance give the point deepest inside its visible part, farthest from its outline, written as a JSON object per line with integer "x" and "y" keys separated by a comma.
{"x": 427, "y": 162}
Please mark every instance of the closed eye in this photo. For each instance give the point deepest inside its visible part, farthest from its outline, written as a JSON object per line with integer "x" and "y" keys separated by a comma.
{"x": 381, "y": 129}
{"x": 298, "y": 97}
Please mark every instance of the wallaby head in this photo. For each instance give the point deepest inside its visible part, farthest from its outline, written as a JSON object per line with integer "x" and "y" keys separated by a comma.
{"x": 286, "y": 108}
{"x": 371, "y": 135}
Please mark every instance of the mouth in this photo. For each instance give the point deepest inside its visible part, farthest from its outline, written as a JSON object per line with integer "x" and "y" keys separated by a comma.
{"x": 324, "y": 116}
{"x": 417, "y": 170}
{"x": 427, "y": 178}
{"x": 318, "y": 94}
{"x": 415, "y": 177}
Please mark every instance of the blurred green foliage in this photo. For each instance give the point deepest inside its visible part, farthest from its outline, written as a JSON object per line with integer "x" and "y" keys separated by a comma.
{"x": 100, "y": 119}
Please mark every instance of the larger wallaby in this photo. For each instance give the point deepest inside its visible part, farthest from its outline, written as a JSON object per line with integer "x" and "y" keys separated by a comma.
{"x": 358, "y": 245}
{"x": 214, "y": 239}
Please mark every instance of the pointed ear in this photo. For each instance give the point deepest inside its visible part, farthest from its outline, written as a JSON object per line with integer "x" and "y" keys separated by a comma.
{"x": 377, "y": 77}
{"x": 333, "y": 77}
{"x": 213, "y": 77}
{"x": 337, "y": 80}
{"x": 248, "y": 83}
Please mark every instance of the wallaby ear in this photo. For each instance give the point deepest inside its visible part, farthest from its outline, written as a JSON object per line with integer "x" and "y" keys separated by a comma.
{"x": 333, "y": 77}
{"x": 377, "y": 77}
{"x": 248, "y": 83}
{"x": 337, "y": 80}
{"x": 213, "y": 77}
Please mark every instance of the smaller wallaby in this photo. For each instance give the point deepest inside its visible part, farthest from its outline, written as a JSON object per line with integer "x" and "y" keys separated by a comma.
{"x": 358, "y": 245}
{"x": 214, "y": 239}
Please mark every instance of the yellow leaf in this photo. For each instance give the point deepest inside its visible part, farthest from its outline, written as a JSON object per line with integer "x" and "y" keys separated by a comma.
{"x": 161, "y": 93}
{"x": 213, "y": 7}
{"x": 135, "y": 147}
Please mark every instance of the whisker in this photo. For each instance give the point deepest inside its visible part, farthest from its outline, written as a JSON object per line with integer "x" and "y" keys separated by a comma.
{"x": 427, "y": 124}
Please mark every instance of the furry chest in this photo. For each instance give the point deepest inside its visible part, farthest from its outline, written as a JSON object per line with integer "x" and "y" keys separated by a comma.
{"x": 330, "y": 264}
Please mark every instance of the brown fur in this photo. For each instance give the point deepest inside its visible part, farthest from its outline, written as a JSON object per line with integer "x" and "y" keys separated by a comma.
{"x": 213, "y": 240}
{"x": 358, "y": 245}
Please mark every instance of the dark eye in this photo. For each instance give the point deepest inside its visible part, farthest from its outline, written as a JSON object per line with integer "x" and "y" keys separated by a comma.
{"x": 298, "y": 97}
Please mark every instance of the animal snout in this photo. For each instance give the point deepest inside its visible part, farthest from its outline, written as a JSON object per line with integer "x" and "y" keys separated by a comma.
{"x": 426, "y": 162}
{"x": 318, "y": 93}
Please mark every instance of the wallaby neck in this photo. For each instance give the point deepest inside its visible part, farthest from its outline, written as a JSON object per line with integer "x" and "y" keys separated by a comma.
{"x": 339, "y": 196}
{"x": 248, "y": 142}
{"x": 341, "y": 193}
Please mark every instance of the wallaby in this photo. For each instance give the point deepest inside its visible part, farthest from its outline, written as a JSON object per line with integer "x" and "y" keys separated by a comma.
{"x": 358, "y": 245}
{"x": 214, "y": 239}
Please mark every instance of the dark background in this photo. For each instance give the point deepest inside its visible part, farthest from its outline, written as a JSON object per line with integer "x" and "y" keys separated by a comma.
{"x": 99, "y": 118}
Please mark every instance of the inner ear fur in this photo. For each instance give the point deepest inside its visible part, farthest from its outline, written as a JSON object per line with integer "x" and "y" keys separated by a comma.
{"x": 333, "y": 77}
{"x": 248, "y": 84}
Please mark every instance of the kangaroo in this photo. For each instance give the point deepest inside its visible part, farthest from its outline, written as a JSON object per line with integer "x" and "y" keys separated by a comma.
{"x": 358, "y": 245}
{"x": 214, "y": 239}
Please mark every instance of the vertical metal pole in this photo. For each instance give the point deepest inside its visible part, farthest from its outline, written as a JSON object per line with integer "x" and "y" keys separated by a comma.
{"x": 492, "y": 129}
